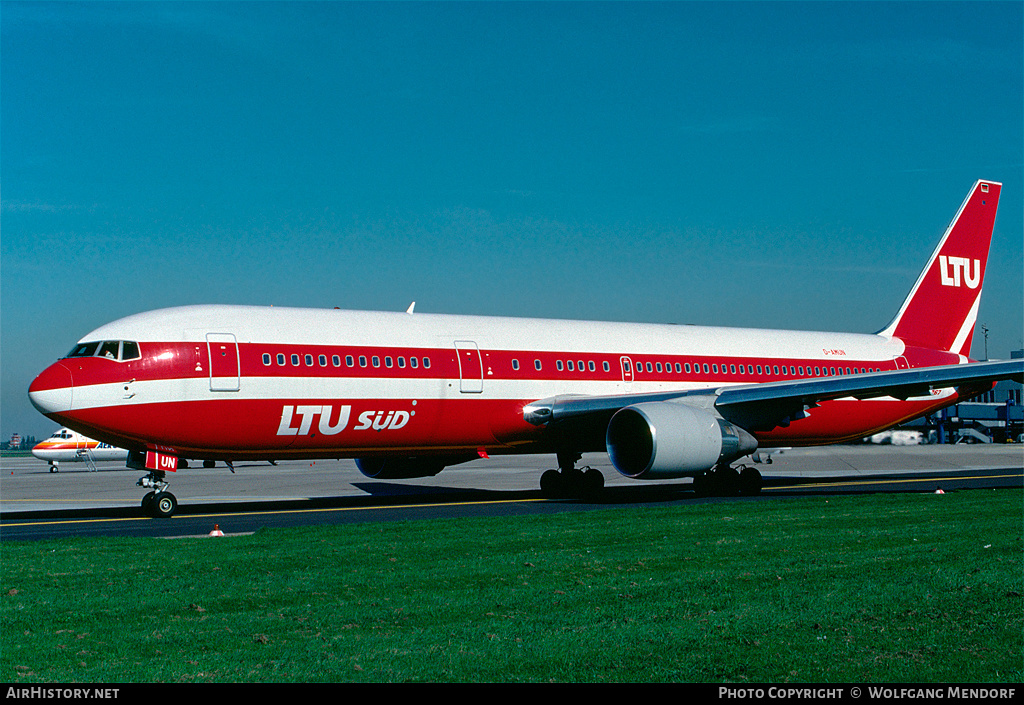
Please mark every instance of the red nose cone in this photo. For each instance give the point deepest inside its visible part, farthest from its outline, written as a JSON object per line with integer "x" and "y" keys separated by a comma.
{"x": 51, "y": 391}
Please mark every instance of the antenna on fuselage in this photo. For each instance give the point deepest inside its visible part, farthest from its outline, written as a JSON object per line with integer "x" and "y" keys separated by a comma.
{"x": 411, "y": 307}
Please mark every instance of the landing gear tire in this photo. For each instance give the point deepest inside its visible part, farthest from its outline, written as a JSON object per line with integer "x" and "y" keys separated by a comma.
{"x": 571, "y": 483}
{"x": 162, "y": 505}
{"x": 551, "y": 484}
{"x": 593, "y": 480}
{"x": 158, "y": 503}
{"x": 728, "y": 482}
{"x": 750, "y": 482}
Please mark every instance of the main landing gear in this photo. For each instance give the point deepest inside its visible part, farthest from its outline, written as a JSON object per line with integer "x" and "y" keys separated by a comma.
{"x": 158, "y": 503}
{"x": 569, "y": 480}
{"x": 726, "y": 481}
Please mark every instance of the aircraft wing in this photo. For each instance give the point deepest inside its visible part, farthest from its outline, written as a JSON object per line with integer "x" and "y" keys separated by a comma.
{"x": 762, "y": 407}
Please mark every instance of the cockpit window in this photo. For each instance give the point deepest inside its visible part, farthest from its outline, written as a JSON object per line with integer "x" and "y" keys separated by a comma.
{"x": 83, "y": 350}
{"x": 109, "y": 349}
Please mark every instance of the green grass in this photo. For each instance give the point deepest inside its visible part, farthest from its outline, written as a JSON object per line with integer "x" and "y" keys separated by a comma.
{"x": 884, "y": 588}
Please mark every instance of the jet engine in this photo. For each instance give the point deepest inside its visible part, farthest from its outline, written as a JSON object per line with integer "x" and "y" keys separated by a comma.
{"x": 657, "y": 440}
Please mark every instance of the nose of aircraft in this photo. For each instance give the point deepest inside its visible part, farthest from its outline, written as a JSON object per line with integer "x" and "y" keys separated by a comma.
{"x": 51, "y": 391}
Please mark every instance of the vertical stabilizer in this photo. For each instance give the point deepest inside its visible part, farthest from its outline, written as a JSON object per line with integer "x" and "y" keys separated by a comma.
{"x": 942, "y": 308}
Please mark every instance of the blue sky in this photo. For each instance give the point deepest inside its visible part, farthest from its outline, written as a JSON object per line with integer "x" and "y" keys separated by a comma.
{"x": 780, "y": 165}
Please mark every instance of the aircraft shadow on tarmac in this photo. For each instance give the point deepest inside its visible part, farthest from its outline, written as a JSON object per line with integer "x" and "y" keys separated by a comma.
{"x": 392, "y": 494}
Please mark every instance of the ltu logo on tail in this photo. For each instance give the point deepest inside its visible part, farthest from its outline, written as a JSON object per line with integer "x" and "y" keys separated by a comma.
{"x": 950, "y": 268}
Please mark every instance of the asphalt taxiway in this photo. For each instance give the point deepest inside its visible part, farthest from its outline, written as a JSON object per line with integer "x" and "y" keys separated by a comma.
{"x": 26, "y": 485}
{"x": 80, "y": 499}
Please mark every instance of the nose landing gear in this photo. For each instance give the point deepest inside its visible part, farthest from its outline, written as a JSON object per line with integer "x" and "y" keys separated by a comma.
{"x": 158, "y": 503}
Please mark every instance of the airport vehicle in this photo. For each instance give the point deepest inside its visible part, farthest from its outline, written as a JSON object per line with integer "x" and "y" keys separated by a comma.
{"x": 407, "y": 394}
{"x": 68, "y": 446}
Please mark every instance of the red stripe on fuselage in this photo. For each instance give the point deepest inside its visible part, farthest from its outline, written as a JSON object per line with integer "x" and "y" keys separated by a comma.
{"x": 223, "y": 426}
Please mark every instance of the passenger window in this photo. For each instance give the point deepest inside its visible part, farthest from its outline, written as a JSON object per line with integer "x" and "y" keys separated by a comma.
{"x": 362, "y": 360}
{"x": 536, "y": 365}
{"x": 266, "y": 358}
{"x": 336, "y": 360}
{"x": 309, "y": 360}
{"x": 414, "y": 362}
{"x": 376, "y": 361}
{"x": 606, "y": 366}
{"x": 515, "y": 364}
{"x": 426, "y": 362}
{"x": 280, "y": 358}
{"x": 323, "y": 361}
{"x": 350, "y": 361}
{"x": 388, "y": 362}
{"x": 590, "y": 366}
{"x": 401, "y": 362}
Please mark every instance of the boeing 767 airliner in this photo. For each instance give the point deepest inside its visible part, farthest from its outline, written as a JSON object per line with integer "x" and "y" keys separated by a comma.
{"x": 407, "y": 394}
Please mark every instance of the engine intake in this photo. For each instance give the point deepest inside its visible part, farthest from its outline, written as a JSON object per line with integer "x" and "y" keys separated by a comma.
{"x": 656, "y": 440}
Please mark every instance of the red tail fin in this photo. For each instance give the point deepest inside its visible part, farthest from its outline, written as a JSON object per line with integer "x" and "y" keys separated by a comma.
{"x": 942, "y": 308}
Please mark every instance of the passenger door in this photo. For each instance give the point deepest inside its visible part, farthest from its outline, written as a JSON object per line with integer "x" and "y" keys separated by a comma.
{"x": 224, "y": 363}
{"x": 471, "y": 367}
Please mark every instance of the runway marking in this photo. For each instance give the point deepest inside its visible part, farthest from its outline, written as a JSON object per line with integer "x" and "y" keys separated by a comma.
{"x": 880, "y": 481}
{"x": 429, "y": 505}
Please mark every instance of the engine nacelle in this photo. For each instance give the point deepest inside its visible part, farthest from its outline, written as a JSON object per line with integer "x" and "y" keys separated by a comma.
{"x": 656, "y": 440}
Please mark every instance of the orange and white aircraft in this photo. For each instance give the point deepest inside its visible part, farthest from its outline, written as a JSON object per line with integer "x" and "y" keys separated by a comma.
{"x": 66, "y": 446}
{"x": 407, "y": 394}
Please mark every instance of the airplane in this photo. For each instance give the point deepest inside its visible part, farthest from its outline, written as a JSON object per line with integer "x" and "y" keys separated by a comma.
{"x": 67, "y": 446}
{"x": 406, "y": 394}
